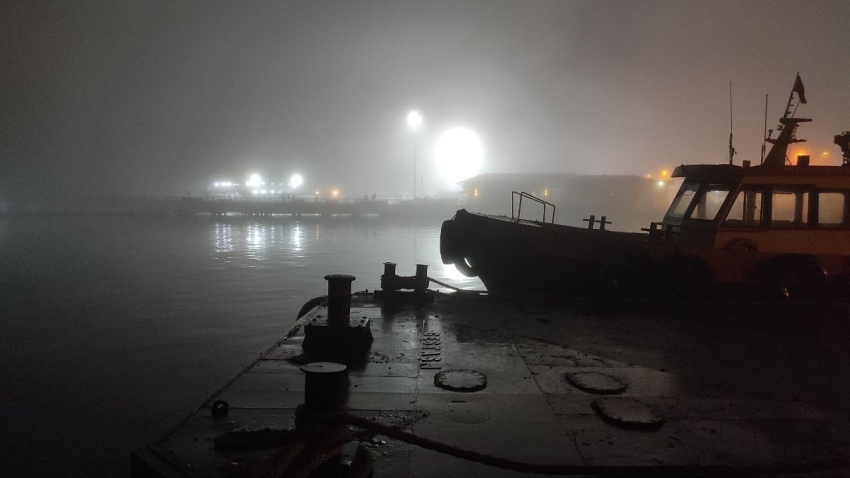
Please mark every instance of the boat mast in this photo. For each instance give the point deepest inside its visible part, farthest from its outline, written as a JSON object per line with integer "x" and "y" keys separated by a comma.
{"x": 731, "y": 149}
{"x": 764, "y": 141}
{"x": 787, "y": 126}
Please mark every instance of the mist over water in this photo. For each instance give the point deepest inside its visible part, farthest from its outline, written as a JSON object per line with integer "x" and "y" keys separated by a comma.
{"x": 114, "y": 329}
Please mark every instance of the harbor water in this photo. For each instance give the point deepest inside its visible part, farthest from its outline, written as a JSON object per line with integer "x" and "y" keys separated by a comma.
{"x": 112, "y": 329}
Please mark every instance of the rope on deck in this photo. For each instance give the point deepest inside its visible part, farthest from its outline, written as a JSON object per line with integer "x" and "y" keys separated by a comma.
{"x": 445, "y": 285}
{"x": 340, "y": 418}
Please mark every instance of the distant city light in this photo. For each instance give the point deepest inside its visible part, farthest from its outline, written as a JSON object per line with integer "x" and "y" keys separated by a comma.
{"x": 317, "y": 193}
{"x": 334, "y": 193}
{"x": 414, "y": 119}
{"x": 295, "y": 181}
{"x": 664, "y": 173}
{"x": 661, "y": 183}
{"x": 254, "y": 191}
{"x": 254, "y": 181}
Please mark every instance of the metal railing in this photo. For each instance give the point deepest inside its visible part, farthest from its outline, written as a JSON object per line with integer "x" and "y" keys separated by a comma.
{"x": 524, "y": 194}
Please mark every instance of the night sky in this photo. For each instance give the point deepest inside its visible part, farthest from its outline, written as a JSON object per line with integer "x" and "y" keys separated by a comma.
{"x": 164, "y": 97}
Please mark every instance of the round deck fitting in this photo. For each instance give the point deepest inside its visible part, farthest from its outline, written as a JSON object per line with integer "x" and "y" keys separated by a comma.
{"x": 325, "y": 385}
{"x": 467, "y": 412}
{"x": 596, "y": 382}
{"x": 460, "y": 380}
{"x": 627, "y": 413}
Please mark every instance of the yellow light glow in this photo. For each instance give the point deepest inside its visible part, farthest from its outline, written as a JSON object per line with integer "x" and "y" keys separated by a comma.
{"x": 664, "y": 173}
{"x": 476, "y": 193}
{"x": 317, "y": 193}
{"x": 545, "y": 192}
{"x": 825, "y": 153}
{"x": 334, "y": 193}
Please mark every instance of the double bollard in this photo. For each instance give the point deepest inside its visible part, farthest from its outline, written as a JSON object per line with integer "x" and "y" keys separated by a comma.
{"x": 390, "y": 282}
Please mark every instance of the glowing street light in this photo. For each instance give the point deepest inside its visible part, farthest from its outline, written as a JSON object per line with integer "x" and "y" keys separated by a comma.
{"x": 414, "y": 120}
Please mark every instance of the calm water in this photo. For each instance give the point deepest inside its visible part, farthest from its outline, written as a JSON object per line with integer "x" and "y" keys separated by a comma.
{"x": 114, "y": 329}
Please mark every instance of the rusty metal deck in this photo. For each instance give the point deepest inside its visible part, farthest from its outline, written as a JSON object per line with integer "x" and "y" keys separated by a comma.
{"x": 732, "y": 385}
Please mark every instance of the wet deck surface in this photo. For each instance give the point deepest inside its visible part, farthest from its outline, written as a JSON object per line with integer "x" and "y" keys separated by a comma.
{"x": 732, "y": 385}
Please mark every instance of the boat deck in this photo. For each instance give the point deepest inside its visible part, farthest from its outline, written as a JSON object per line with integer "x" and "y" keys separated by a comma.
{"x": 736, "y": 385}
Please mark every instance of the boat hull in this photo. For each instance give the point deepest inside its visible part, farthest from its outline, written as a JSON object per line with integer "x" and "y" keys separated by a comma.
{"x": 518, "y": 256}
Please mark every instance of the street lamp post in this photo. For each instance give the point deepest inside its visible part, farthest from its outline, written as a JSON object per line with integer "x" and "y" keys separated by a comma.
{"x": 414, "y": 119}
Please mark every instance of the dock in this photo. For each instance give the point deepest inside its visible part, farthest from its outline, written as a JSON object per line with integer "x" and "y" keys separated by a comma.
{"x": 540, "y": 385}
{"x": 297, "y": 207}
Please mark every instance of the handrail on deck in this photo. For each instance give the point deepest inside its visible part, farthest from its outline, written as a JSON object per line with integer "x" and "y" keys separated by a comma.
{"x": 533, "y": 198}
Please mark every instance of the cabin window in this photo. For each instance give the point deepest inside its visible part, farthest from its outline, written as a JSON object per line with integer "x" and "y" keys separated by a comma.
{"x": 710, "y": 202}
{"x": 746, "y": 210}
{"x": 789, "y": 208}
{"x": 830, "y": 209}
{"x": 683, "y": 200}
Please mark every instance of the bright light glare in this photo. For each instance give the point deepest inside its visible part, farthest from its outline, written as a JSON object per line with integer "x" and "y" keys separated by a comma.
{"x": 254, "y": 181}
{"x": 414, "y": 119}
{"x": 295, "y": 181}
{"x": 661, "y": 183}
{"x": 458, "y": 154}
{"x": 335, "y": 193}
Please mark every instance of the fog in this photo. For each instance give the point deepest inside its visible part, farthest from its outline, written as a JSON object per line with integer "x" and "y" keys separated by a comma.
{"x": 160, "y": 97}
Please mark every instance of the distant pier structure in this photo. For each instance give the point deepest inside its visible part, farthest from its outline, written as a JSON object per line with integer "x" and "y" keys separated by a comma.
{"x": 297, "y": 207}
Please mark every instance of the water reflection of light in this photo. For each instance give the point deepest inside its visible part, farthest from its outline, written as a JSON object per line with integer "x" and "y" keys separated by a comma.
{"x": 295, "y": 236}
{"x": 223, "y": 236}
{"x": 256, "y": 238}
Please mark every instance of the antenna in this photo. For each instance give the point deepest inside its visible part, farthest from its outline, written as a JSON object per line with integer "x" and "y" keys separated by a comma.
{"x": 731, "y": 149}
{"x": 764, "y": 141}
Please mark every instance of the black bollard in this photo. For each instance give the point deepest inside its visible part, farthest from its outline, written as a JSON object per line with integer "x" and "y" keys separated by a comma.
{"x": 325, "y": 386}
{"x": 389, "y": 281}
{"x": 421, "y": 281}
{"x": 339, "y": 299}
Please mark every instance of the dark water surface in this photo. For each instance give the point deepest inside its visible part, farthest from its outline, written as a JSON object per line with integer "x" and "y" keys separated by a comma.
{"x": 114, "y": 329}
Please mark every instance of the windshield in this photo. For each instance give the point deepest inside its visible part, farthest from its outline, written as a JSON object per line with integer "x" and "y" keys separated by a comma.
{"x": 683, "y": 200}
{"x": 698, "y": 203}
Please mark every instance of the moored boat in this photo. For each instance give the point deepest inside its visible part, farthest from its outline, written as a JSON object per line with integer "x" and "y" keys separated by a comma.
{"x": 783, "y": 229}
